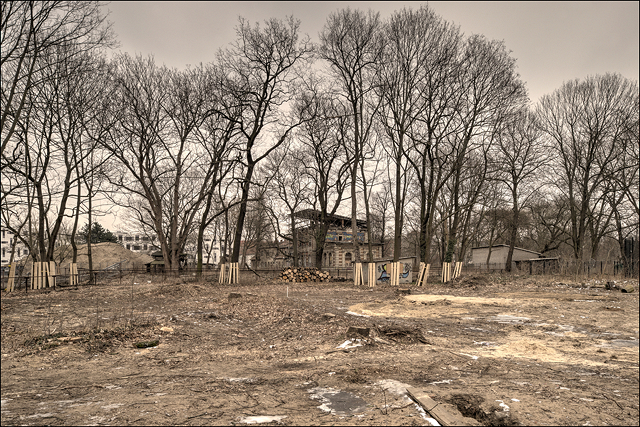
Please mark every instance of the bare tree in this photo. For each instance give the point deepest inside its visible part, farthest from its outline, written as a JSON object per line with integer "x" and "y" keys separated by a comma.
{"x": 550, "y": 223}
{"x": 438, "y": 85}
{"x": 520, "y": 156}
{"x": 586, "y": 121}
{"x": 351, "y": 43}
{"x": 411, "y": 49}
{"x": 322, "y": 137}
{"x": 263, "y": 66}
{"x": 289, "y": 191}
{"x": 31, "y": 29}
{"x": 48, "y": 137}
{"x": 491, "y": 90}
{"x": 219, "y": 136}
{"x": 622, "y": 186}
{"x": 161, "y": 170}
{"x": 381, "y": 205}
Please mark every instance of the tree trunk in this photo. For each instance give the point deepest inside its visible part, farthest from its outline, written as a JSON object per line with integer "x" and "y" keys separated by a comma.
{"x": 235, "y": 254}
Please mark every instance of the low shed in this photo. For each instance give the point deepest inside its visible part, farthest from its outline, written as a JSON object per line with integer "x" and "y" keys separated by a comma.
{"x": 499, "y": 254}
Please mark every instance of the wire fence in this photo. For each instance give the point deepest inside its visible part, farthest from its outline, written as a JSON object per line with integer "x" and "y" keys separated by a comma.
{"x": 118, "y": 275}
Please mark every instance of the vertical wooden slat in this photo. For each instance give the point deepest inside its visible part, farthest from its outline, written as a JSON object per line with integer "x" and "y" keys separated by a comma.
{"x": 12, "y": 274}
{"x": 372, "y": 274}
{"x": 52, "y": 274}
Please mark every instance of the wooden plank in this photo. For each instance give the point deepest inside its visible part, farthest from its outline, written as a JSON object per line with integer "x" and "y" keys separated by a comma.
{"x": 434, "y": 409}
{"x": 12, "y": 276}
{"x": 52, "y": 274}
{"x": 35, "y": 275}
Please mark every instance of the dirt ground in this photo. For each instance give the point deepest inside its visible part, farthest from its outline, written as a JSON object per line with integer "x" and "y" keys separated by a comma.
{"x": 499, "y": 350}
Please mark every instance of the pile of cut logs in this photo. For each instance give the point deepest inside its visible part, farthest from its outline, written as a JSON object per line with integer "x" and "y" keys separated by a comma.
{"x": 299, "y": 274}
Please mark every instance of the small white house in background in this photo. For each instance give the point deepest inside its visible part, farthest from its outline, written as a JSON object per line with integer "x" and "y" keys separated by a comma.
{"x": 499, "y": 254}
{"x": 7, "y": 244}
{"x": 136, "y": 242}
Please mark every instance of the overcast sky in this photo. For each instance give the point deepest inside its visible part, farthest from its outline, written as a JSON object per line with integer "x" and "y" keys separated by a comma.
{"x": 552, "y": 41}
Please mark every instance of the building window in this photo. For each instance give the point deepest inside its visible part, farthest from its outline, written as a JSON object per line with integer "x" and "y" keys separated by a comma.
{"x": 347, "y": 257}
{"x": 129, "y": 247}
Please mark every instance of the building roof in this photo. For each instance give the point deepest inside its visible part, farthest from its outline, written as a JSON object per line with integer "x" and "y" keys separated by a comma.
{"x": 507, "y": 246}
{"x": 335, "y": 220}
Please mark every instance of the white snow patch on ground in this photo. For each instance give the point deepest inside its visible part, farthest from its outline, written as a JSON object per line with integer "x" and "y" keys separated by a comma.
{"x": 424, "y": 416}
{"x": 350, "y": 344}
{"x": 262, "y": 419}
{"x": 356, "y": 314}
{"x": 504, "y": 407}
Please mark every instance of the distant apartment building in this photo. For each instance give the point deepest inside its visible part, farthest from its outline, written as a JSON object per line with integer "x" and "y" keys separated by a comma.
{"x": 137, "y": 242}
{"x": 8, "y": 238}
{"x": 211, "y": 251}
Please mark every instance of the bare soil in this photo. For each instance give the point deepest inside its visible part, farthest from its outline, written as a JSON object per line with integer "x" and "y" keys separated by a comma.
{"x": 499, "y": 350}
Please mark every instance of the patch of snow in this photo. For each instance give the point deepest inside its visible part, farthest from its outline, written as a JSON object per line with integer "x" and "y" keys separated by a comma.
{"x": 262, "y": 419}
{"x": 347, "y": 344}
{"x": 394, "y": 387}
{"x": 504, "y": 407}
{"x": 47, "y": 415}
{"x": 240, "y": 380}
{"x": 356, "y": 314}
{"x": 469, "y": 355}
{"x": 441, "y": 382}
{"x": 424, "y": 416}
{"x": 112, "y": 406}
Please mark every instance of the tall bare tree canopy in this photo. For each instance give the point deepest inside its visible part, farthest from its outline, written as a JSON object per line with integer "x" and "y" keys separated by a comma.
{"x": 591, "y": 125}
{"x": 264, "y": 65}
{"x": 31, "y": 28}
{"x": 351, "y": 43}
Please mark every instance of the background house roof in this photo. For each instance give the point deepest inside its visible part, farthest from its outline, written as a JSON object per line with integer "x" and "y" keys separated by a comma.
{"x": 334, "y": 220}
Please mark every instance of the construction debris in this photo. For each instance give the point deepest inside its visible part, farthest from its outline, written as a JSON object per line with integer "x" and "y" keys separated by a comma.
{"x": 401, "y": 334}
{"x": 299, "y": 274}
{"x": 625, "y": 288}
{"x": 437, "y": 411}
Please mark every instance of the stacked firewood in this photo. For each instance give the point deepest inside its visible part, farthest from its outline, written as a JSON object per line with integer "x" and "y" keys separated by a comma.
{"x": 299, "y": 274}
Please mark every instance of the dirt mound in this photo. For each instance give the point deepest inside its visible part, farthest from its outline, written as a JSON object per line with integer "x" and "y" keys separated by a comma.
{"x": 471, "y": 281}
{"x": 105, "y": 255}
